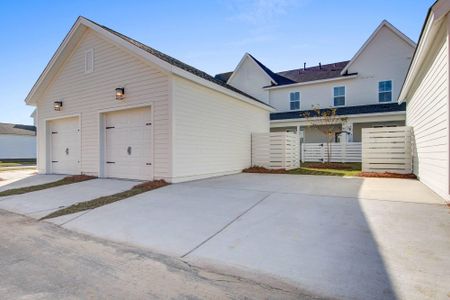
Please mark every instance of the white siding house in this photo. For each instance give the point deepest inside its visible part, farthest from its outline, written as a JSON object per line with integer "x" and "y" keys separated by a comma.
{"x": 426, "y": 92}
{"x": 172, "y": 122}
{"x": 354, "y": 88}
{"x": 17, "y": 141}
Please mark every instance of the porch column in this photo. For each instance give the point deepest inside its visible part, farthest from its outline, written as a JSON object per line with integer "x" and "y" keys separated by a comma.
{"x": 347, "y": 126}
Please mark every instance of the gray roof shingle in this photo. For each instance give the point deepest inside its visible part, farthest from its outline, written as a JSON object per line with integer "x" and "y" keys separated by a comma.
{"x": 300, "y": 75}
{"x": 17, "y": 129}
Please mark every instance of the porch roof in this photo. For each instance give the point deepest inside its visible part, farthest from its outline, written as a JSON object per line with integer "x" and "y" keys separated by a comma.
{"x": 343, "y": 111}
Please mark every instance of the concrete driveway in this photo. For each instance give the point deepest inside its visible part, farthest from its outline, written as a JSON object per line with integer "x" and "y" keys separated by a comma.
{"x": 40, "y": 203}
{"x": 349, "y": 238}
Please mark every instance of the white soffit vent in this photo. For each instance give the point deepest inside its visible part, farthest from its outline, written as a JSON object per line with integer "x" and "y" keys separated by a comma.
{"x": 89, "y": 61}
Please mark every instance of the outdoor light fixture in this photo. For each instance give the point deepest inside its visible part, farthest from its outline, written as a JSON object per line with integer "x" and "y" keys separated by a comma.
{"x": 57, "y": 105}
{"x": 120, "y": 93}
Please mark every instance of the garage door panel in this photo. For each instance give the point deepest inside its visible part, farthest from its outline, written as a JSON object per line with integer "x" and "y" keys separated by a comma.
{"x": 65, "y": 146}
{"x": 128, "y": 144}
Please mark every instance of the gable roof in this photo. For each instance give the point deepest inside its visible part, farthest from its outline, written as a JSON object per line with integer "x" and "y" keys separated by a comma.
{"x": 17, "y": 129}
{"x": 383, "y": 23}
{"x": 301, "y": 75}
{"x": 163, "y": 60}
{"x": 337, "y": 70}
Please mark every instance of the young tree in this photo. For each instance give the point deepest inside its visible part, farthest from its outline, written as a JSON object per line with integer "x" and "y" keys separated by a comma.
{"x": 327, "y": 122}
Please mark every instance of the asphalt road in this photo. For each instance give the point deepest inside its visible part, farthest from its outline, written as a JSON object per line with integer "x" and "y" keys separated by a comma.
{"x": 39, "y": 260}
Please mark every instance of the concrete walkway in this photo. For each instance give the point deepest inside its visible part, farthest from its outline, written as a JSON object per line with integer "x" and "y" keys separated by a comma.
{"x": 349, "y": 238}
{"x": 40, "y": 203}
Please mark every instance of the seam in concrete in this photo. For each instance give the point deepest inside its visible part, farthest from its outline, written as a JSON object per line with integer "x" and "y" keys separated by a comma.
{"x": 76, "y": 217}
{"x": 226, "y": 225}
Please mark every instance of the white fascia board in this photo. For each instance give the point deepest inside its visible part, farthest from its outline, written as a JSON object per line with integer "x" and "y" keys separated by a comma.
{"x": 53, "y": 60}
{"x": 427, "y": 37}
{"x": 372, "y": 36}
{"x": 310, "y": 82}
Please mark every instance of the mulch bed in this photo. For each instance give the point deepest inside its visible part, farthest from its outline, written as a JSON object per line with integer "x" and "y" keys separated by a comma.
{"x": 91, "y": 204}
{"x": 264, "y": 170}
{"x": 336, "y": 166}
{"x": 387, "y": 175}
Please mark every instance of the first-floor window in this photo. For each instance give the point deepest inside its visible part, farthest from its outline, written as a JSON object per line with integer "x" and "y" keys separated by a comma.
{"x": 295, "y": 100}
{"x": 385, "y": 91}
{"x": 339, "y": 95}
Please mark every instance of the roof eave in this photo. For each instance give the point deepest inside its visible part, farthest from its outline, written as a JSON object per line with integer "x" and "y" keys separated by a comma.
{"x": 429, "y": 31}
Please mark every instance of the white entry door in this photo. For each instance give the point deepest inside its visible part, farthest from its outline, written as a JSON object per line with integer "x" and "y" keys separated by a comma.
{"x": 128, "y": 144}
{"x": 64, "y": 146}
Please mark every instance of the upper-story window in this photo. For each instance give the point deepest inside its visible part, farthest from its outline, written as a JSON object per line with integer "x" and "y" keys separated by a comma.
{"x": 385, "y": 91}
{"x": 89, "y": 61}
{"x": 295, "y": 100}
{"x": 339, "y": 95}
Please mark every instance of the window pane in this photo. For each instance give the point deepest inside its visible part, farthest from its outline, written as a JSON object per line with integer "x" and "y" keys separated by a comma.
{"x": 295, "y": 105}
{"x": 339, "y": 101}
{"x": 385, "y": 86}
{"x": 295, "y": 96}
{"x": 339, "y": 91}
{"x": 385, "y": 96}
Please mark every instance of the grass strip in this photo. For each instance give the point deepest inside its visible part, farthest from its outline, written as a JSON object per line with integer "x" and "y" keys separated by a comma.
{"x": 34, "y": 188}
{"x": 91, "y": 204}
{"x": 340, "y": 169}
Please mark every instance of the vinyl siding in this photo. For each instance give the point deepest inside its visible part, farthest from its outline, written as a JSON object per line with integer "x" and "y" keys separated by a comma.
{"x": 17, "y": 146}
{"x": 251, "y": 79}
{"x": 427, "y": 112}
{"x": 88, "y": 94}
{"x": 212, "y": 131}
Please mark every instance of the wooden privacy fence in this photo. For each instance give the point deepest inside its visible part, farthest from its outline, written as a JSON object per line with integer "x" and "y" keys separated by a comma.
{"x": 387, "y": 149}
{"x": 276, "y": 150}
{"x": 340, "y": 152}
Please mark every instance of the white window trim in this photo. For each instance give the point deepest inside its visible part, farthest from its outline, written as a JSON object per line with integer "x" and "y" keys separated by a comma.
{"x": 345, "y": 96}
{"x": 299, "y": 100}
{"x": 89, "y": 51}
{"x": 378, "y": 91}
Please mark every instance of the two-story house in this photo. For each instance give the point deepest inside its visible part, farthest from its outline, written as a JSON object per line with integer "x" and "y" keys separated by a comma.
{"x": 363, "y": 90}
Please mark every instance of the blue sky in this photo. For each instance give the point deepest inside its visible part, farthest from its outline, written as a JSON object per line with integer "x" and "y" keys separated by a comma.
{"x": 210, "y": 35}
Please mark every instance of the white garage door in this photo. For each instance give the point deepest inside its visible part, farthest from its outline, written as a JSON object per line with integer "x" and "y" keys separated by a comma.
{"x": 128, "y": 144}
{"x": 64, "y": 146}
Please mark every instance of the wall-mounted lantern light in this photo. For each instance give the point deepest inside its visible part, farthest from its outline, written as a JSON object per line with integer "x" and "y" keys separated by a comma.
{"x": 57, "y": 105}
{"x": 120, "y": 93}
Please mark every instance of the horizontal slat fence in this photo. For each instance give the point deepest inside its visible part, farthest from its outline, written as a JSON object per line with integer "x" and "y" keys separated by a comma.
{"x": 276, "y": 150}
{"x": 387, "y": 149}
{"x": 340, "y": 152}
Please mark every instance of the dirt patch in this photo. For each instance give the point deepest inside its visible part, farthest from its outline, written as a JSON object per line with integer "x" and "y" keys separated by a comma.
{"x": 34, "y": 188}
{"x": 91, "y": 204}
{"x": 387, "y": 175}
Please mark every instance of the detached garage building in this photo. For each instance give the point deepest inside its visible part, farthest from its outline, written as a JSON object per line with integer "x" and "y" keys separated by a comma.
{"x": 426, "y": 91}
{"x": 110, "y": 106}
